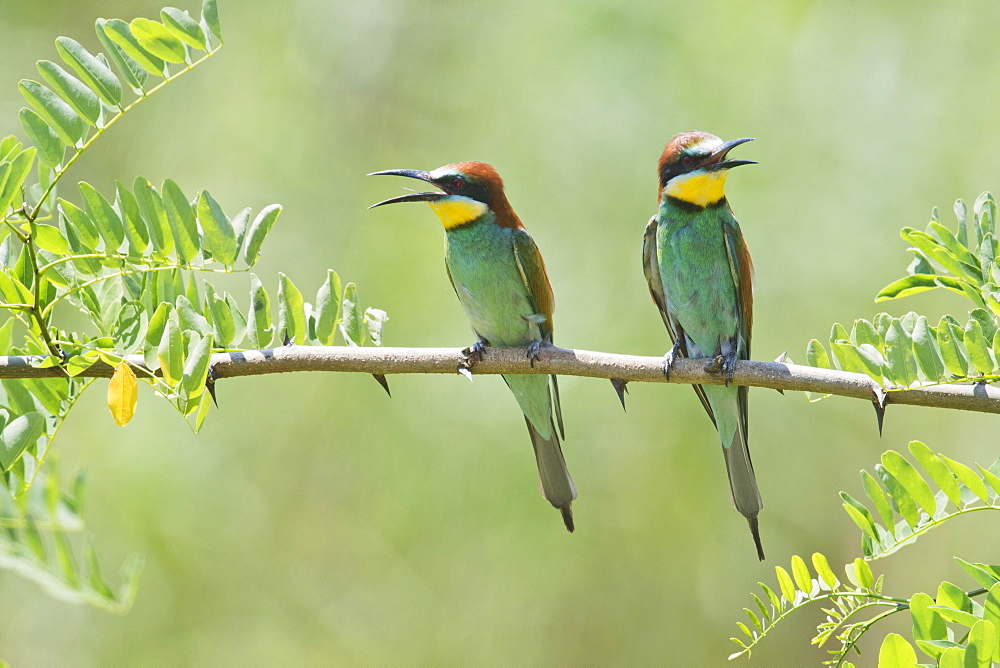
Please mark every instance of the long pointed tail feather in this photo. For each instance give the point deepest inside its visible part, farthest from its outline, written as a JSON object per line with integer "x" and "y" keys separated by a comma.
{"x": 743, "y": 484}
{"x": 553, "y": 475}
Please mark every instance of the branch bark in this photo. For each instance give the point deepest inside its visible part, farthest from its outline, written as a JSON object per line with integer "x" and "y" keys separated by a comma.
{"x": 980, "y": 397}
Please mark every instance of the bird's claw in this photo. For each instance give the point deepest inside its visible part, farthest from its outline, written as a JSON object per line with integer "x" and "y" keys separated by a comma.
{"x": 533, "y": 349}
{"x": 669, "y": 359}
{"x": 725, "y": 364}
{"x": 473, "y": 353}
{"x": 470, "y": 357}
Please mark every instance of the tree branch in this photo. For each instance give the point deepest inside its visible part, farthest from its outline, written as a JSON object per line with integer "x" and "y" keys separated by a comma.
{"x": 980, "y": 397}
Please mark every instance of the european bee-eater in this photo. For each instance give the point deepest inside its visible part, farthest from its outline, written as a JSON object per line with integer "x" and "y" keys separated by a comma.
{"x": 500, "y": 279}
{"x": 701, "y": 278}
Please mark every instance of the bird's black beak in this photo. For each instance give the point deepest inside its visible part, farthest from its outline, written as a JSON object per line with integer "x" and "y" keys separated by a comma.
{"x": 720, "y": 156}
{"x": 412, "y": 197}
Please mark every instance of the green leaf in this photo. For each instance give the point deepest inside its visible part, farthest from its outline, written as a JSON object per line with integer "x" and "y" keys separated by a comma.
{"x": 895, "y": 652}
{"x": 800, "y": 572}
{"x": 899, "y": 354}
{"x": 927, "y": 356}
{"x": 979, "y": 350}
{"x": 120, "y": 33}
{"x": 50, "y": 392}
{"x": 183, "y": 27}
{"x": 204, "y": 406}
{"x": 352, "y": 326}
{"x": 155, "y": 215}
{"x": 879, "y": 500}
{"x": 65, "y": 122}
{"x": 131, "y": 217}
{"x": 860, "y": 514}
{"x": 982, "y": 644}
{"x": 18, "y": 170}
{"x": 91, "y": 71}
{"x": 905, "y": 505}
{"x": 947, "y": 238}
{"x": 171, "y": 353}
{"x": 238, "y": 319}
{"x": 991, "y": 479}
{"x": 953, "y": 596}
{"x": 104, "y": 216}
{"x": 872, "y": 362}
{"x": 291, "y": 317}
{"x": 43, "y": 136}
{"x": 220, "y": 239}
{"x": 50, "y": 239}
{"x": 910, "y": 479}
{"x": 952, "y": 354}
{"x": 80, "y": 223}
{"x": 190, "y": 318}
{"x": 865, "y": 332}
{"x": 73, "y": 91}
{"x": 952, "y": 657}
{"x": 154, "y": 332}
{"x": 130, "y": 328}
{"x": 816, "y": 355}
{"x": 956, "y": 616}
{"x": 133, "y": 73}
{"x": 223, "y": 325}
{"x": 984, "y": 577}
{"x": 927, "y": 623}
{"x": 823, "y": 570}
{"x": 375, "y": 320}
{"x": 18, "y": 435}
{"x": 328, "y": 306}
{"x": 196, "y": 368}
{"x": 262, "y": 224}
{"x": 13, "y": 291}
{"x": 157, "y": 40}
{"x": 210, "y": 15}
{"x": 991, "y": 614}
{"x": 986, "y": 321}
{"x": 785, "y": 583}
{"x": 911, "y": 285}
{"x": 259, "y": 330}
{"x": 182, "y": 221}
{"x": 938, "y": 471}
{"x": 968, "y": 478}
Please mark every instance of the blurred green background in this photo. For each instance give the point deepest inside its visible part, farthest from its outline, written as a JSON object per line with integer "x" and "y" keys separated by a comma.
{"x": 316, "y": 521}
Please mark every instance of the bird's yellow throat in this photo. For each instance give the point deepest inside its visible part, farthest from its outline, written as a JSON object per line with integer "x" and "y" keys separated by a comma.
{"x": 455, "y": 211}
{"x": 698, "y": 188}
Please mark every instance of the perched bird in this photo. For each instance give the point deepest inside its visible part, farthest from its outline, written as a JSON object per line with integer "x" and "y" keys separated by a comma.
{"x": 499, "y": 277}
{"x": 701, "y": 278}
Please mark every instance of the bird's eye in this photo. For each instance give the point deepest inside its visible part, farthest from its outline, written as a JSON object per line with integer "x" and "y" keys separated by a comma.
{"x": 457, "y": 182}
{"x": 687, "y": 161}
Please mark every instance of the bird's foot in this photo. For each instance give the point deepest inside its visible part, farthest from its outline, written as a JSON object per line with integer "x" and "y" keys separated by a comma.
{"x": 533, "y": 349}
{"x": 724, "y": 364}
{"x": 470, "y": 357}
{"x": 669, "y": 358}
{"x": 474, "y": 353}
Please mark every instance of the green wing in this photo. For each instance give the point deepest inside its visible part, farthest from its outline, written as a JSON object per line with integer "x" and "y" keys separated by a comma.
{"x": 536, "y": 280}
{"x": 742, "y": 271}
{"x": 651, "y": 267}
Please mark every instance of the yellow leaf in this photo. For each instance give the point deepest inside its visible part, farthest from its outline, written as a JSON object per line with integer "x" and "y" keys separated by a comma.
{"x": 123, "y": 392}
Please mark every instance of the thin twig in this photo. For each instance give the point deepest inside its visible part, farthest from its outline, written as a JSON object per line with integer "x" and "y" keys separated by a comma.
{"x": 980, "y": 397}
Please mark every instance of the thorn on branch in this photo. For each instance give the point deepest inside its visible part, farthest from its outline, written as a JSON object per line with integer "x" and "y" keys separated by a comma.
{"x": 383, "y": 382}
{"x": 210, "y": 385}
{"x": 879, "y": 402}
{"x": 621, "y": 388}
